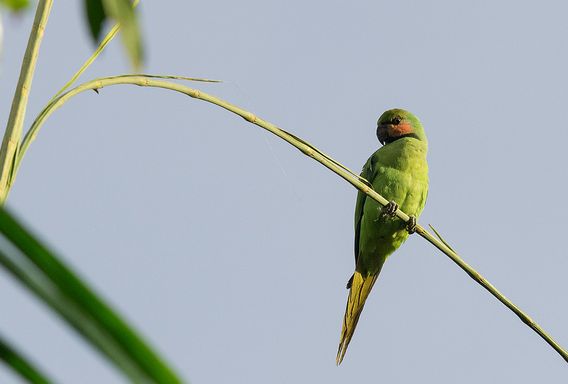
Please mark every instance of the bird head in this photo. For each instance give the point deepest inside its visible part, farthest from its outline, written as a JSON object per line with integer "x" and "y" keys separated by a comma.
{"x": 398, "y": 123}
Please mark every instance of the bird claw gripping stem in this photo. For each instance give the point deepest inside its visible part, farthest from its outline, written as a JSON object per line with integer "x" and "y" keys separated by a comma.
{"x": 390, "y": 209}
{"x": 411, "y": 225}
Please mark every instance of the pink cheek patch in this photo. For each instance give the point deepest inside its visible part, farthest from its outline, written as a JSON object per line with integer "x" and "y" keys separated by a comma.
{"x": 403, "y": 128}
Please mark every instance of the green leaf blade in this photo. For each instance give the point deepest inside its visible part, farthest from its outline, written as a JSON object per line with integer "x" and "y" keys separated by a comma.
{"x": 96, "y": 17}
{"x": 57, "y": 285}
{"x": 20, "y": 364}
{"x": 122, "y": 12}
{"x": 15, "y": 5}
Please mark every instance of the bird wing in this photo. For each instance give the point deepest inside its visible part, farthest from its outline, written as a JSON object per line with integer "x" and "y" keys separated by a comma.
{"x": 366, "y": 173}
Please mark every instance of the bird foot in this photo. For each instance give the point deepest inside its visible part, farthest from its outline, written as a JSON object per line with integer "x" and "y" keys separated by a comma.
{"x": 390, "y": 209}
{"x": 411, "y": 225}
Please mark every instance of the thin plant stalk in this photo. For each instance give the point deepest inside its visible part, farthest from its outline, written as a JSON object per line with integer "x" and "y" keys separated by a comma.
{"x": 107, "y": 39}
{"x": 14, "y": 127}
{"x": 102, "y": 45}
{"x": 307, "y": 149}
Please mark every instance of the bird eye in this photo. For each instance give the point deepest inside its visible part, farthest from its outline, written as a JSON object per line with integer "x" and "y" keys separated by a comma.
{"x": 396, "y": 120}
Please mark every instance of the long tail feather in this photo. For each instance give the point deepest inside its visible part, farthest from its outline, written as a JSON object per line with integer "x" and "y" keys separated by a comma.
{"x": 360, "y": 288}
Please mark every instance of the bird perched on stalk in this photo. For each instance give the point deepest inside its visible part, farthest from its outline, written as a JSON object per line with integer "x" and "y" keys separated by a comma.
{"x": 399, "y": 172}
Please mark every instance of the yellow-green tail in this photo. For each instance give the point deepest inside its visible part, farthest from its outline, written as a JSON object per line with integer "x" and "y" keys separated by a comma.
{"x": 360, "y": 288}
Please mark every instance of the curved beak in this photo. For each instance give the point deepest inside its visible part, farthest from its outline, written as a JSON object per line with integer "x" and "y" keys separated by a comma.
{"x": 383, "y": 132}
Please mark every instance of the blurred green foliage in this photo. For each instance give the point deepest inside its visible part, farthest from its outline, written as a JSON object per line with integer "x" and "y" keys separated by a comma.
{"x": 15, "y": 5}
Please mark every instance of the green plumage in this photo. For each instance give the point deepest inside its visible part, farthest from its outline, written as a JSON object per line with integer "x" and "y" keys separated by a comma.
{"x": 399, "y": 172}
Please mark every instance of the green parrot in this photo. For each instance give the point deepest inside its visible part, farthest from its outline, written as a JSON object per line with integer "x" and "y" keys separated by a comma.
{"x": 399, "y": 172}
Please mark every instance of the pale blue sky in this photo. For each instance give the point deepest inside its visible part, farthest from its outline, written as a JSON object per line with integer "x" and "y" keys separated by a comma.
{"x": 230, "y": 250}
